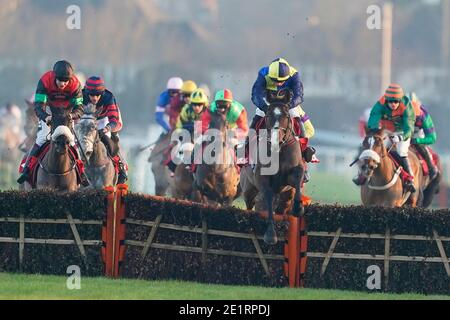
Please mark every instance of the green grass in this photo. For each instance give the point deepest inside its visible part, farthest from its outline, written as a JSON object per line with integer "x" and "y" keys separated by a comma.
{"x": 327, "y": 188}
{"x": 30, "y": 287}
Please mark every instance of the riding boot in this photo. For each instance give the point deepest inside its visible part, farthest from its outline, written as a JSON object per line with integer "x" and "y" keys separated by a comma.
{"x": 409, "y": 184}
{"x": 423, "y": 150}
{"x": 172, "y": 166}
{"x": 123, "y": 176}
{"x": 255, "y": 120}
{"x": 26, "y": 170}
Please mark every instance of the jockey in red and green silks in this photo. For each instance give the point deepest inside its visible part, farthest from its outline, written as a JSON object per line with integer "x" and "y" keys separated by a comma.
{"x": 424, "y": 134}
{"x": 236, "y": 115}
{"x": 394, "y": 113}
{"x": 58, "y": 88}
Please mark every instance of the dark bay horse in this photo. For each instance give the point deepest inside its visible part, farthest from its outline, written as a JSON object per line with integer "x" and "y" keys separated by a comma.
{"x": 384, "y": 186}
{"x": 217, "y": 178}
{"x": 285, "y": 168}
{"x": 57, "y": 168}
{"x": 99, "y": 166}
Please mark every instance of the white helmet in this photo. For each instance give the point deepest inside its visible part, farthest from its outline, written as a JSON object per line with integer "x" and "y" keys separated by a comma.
{"x": 175, "y": 83}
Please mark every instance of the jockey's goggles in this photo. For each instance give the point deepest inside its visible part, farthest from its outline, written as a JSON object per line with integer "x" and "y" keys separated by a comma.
{"x": 62, "y": 79}
{"x": 173, "y": 92}
{"x": 393, "y": 101}
{"x": 223, "y": 105}
{"x": 198, "y": 104}
{"x": 278, "y": 80}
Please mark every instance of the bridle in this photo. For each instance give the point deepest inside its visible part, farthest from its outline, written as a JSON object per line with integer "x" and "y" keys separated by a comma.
{"x": 289, "y": 129}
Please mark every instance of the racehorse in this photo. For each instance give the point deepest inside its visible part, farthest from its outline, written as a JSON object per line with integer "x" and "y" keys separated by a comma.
{"x": 58, "y": 168}
{"x": 99, "y": 166}
{"x": 160, "y": 171}
{"x": 285, "y": 153}
{"x": 182, "y": 184}
{"x": 384, "y": 186}
{"x": 217, "y": 180}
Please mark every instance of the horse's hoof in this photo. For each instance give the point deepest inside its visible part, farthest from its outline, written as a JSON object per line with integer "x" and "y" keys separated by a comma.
{"x": 298, "y": 211}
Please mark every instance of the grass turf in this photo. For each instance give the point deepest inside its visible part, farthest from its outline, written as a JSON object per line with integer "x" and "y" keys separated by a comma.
{"x": 32, "y": 287}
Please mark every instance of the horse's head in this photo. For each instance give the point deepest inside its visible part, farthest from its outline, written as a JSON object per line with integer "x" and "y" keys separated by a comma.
{"x": 280, "y": 96}
{"x": 374, "y": 150}
{"x": 219, "y": 123}
{"x": 62, "y": 137}
{"x": 87, "y": 130}
{"x": 279, "y": 123}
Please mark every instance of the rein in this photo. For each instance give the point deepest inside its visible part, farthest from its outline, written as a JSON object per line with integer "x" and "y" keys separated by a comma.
{"x": 287, "y": 139}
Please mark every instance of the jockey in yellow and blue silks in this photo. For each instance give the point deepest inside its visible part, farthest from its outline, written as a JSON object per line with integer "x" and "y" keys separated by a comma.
{"x": 277, "y": 76}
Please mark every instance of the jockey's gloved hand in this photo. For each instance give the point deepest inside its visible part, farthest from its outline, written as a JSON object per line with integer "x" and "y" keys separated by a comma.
{"x": 48, "y": 120}
{"x": 106, "y": 129}
{"x": 396, "y": 138}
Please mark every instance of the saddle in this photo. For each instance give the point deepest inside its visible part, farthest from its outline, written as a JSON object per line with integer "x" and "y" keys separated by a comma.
{"x": 35, "y": 163}
{"x": 404, "y": 176}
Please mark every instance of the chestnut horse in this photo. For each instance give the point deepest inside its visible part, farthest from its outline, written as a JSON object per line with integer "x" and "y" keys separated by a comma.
{"x": 217, "y": 180}
{"x": 384, "y": 186}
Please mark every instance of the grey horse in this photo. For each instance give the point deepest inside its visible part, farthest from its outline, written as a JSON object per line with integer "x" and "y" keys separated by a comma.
{"x": 98, "y": 165}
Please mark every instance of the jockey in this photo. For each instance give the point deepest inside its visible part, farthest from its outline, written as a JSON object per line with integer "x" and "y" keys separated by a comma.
{"x": 58, "y": 88}
{"x": 169, "y": 100}
{"x": 277, "y": 76}
{"x": 395, "y": 113}
{"x": 189, "y": 114}
{"x": 109, "y": 119}
{"x": 235, "y": 112}
{"x": 187, "y": 89}
{"x": 193, "y": 111}
{"x": 424, "y": 135}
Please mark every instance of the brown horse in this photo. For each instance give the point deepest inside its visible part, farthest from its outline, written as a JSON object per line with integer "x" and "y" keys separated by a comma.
{"x": 217, "y": 180}
{"x": 57, "y": 168}
{"x": 182, "y": 184}
{"x": 284, "y": 171}
{"x": 160, "y": 171}
{"x": 384, "y": 186}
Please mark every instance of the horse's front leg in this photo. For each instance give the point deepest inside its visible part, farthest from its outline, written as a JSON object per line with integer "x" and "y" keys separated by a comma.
{"x": 270, "y": 237}
{"x": 297, "y": 177}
